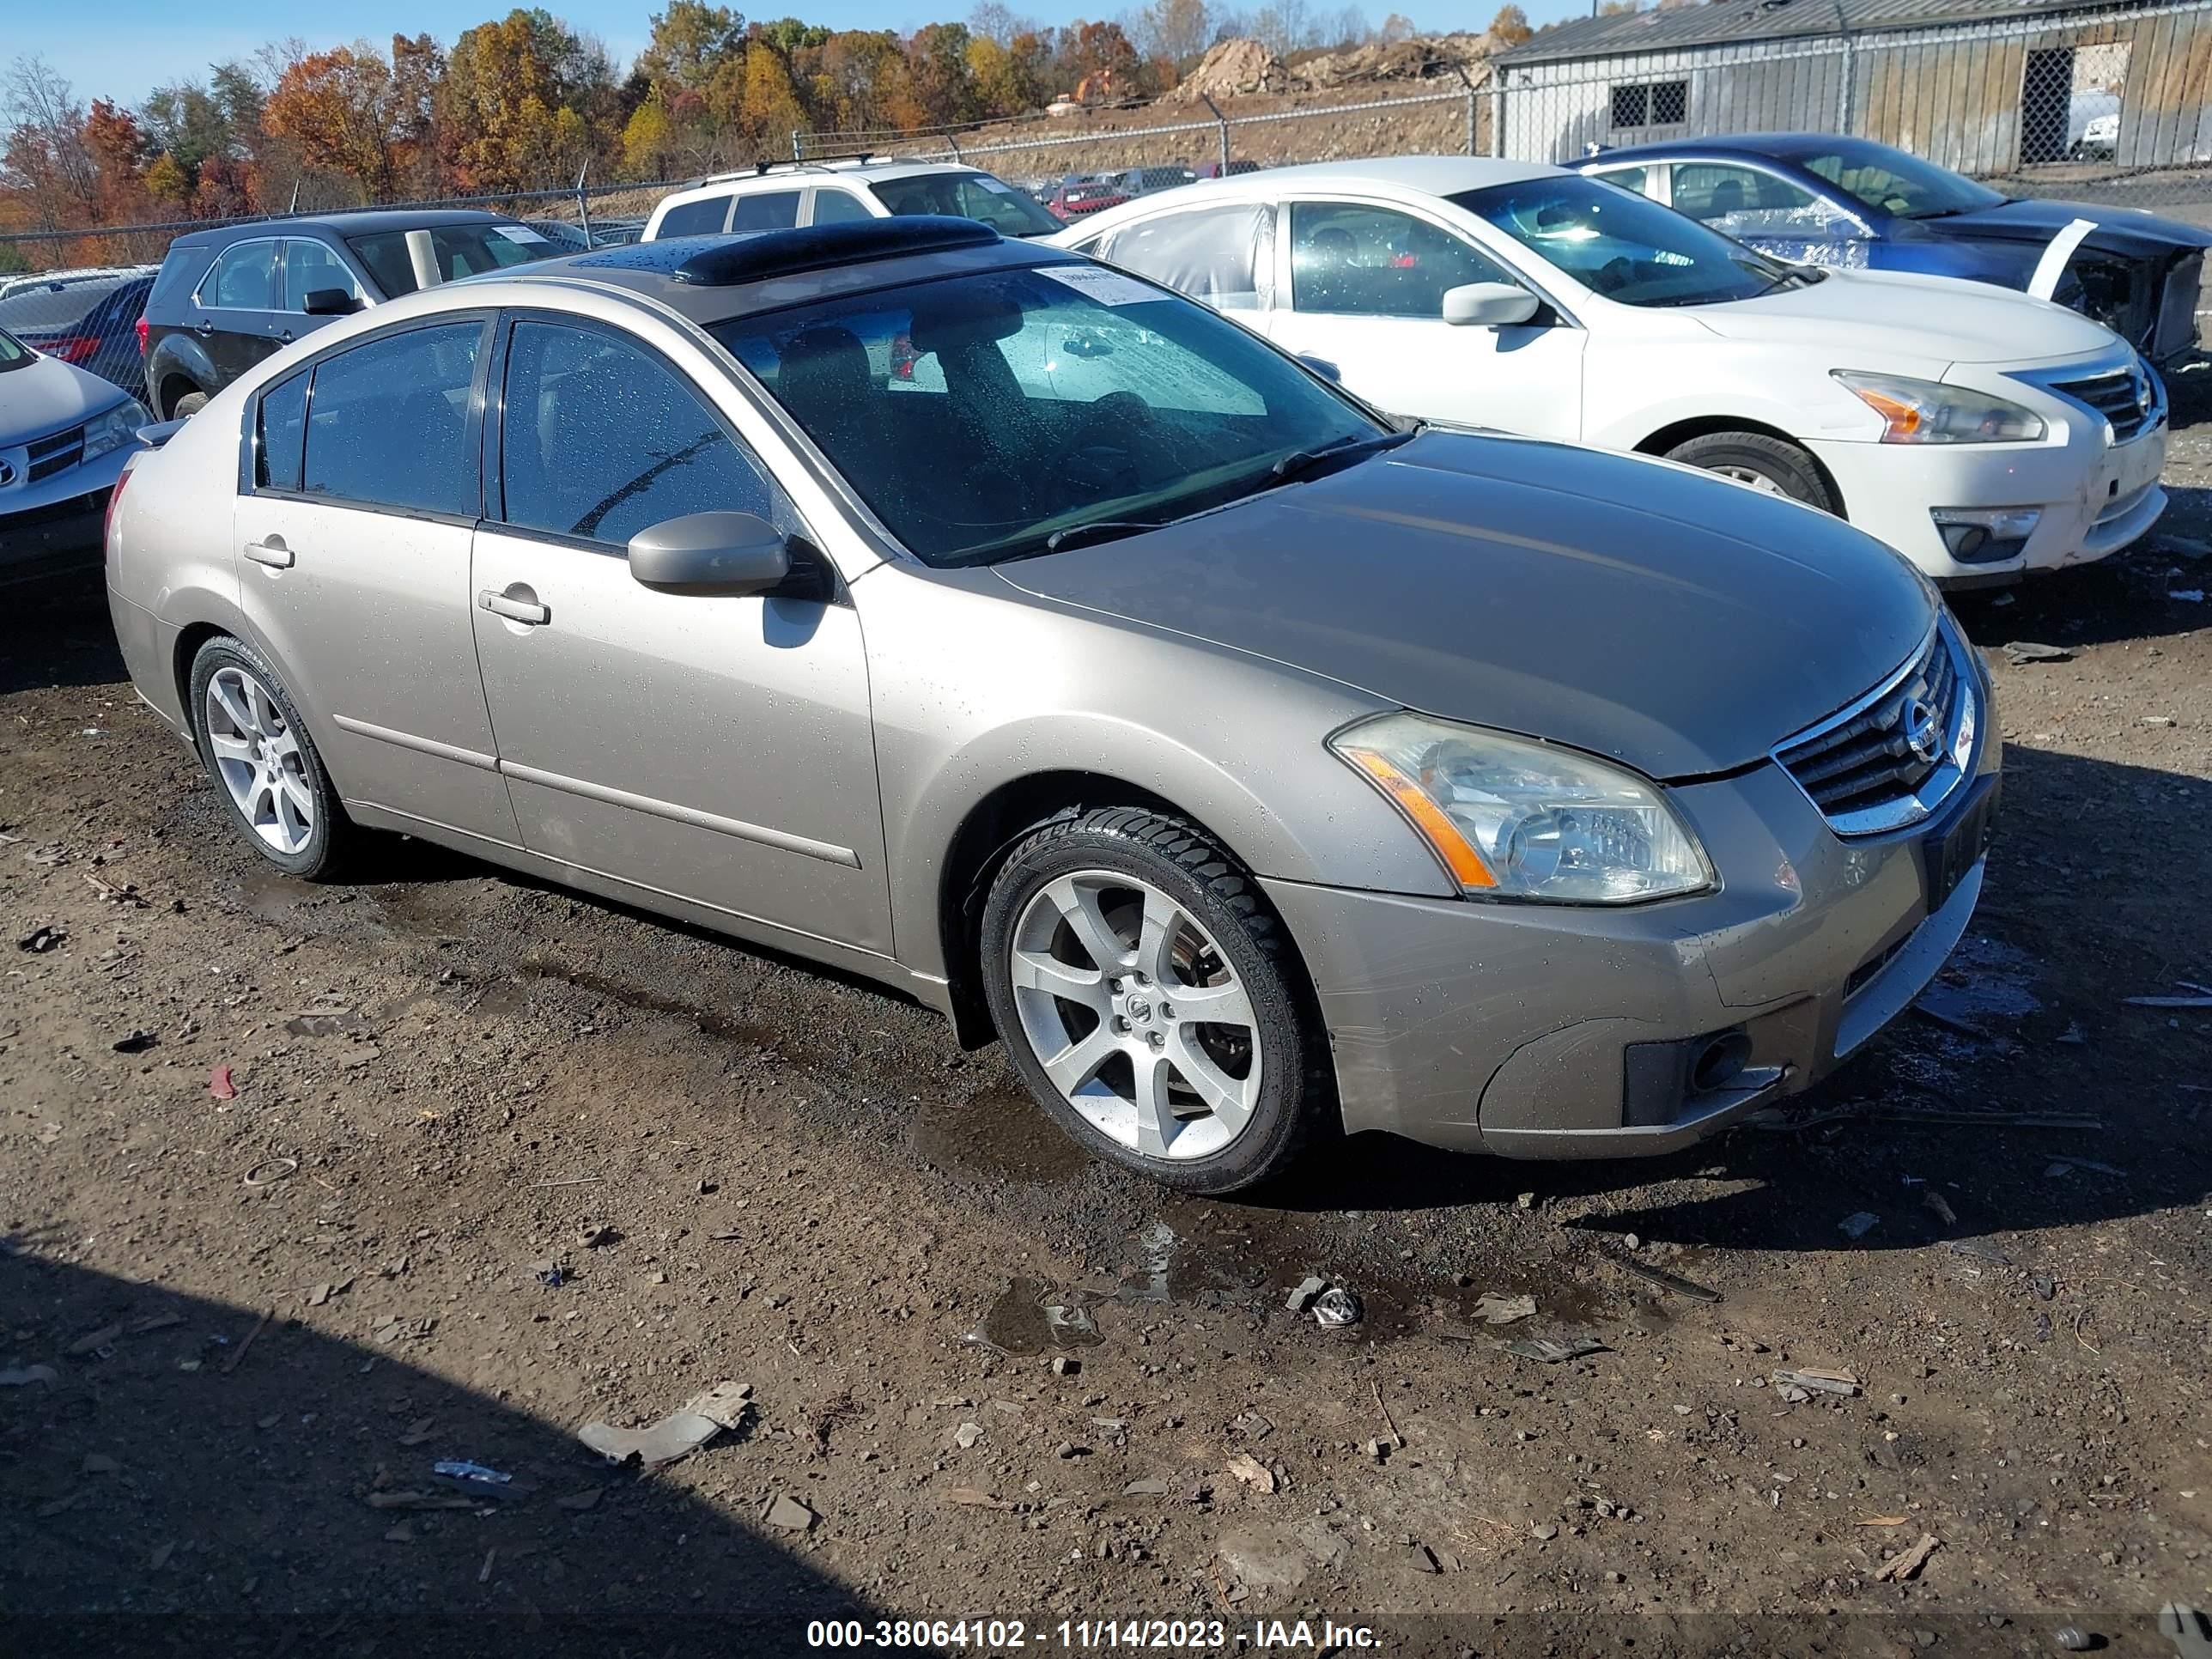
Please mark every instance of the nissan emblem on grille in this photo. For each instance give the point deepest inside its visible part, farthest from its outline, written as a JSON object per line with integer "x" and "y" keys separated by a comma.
{"x": 1884, "y": 762}
{"x": 1924, "y": 730}
{"x": 7, "y": 475}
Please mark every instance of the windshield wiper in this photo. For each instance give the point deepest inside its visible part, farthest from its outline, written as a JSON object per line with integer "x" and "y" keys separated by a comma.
{"x": 1301, "y": 463}
{"x": 1097, "y": 530}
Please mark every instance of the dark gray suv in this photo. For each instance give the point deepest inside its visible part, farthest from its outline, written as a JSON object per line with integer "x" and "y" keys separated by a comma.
{"x": 229, "y": 297}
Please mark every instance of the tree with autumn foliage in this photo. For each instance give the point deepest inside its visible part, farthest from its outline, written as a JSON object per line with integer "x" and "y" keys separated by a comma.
{"x": 524, "y": 101}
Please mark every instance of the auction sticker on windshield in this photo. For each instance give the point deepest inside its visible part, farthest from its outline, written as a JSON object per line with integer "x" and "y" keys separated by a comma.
{"x": 1108, "y": 287}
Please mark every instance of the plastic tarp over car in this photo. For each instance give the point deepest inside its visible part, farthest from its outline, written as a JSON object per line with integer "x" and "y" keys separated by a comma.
{"x": 1222, "y": 255}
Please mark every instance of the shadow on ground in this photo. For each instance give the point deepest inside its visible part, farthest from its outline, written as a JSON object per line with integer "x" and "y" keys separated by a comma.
{"x": 187, "y": 1485}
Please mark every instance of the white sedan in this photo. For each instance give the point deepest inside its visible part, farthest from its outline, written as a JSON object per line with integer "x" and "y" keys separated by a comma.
{"x": 1981, "y": 432}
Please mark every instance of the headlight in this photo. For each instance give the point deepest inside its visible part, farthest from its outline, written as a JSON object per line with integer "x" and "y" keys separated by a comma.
{"x": 115, "y": 428}
{"x": 1930, "y": 412}
{"x": 1513, "y": 819}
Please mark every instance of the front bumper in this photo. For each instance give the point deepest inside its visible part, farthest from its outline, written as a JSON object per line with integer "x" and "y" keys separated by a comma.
{"x": 2095, "y": 498}
{"x": 1550, "y": 1031}
{"x": 55, "y": 523}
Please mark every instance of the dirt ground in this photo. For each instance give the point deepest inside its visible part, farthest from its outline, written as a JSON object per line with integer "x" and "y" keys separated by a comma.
{"x": 501, "y": 1162}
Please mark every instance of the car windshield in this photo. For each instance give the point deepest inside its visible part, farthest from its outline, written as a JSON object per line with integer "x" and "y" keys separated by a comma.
{"x": 12, "y": 354}
{"x": 1894, "y": 183}
{"x": 38, "y": 309}
{"x": 967, "y": 195}
{"x": 993, "y": 416}
{"x": 1625, "y": 247}
{"x": 462, "y": 251}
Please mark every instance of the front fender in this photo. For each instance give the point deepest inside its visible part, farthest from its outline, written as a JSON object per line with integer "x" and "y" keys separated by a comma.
{"x": 976, "y": 688}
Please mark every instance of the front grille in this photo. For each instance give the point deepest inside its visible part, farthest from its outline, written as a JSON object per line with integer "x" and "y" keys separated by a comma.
{"x": 58, "y": 453}
{"x": 2123, "y": 397}
{"x": 1862, "y": 763}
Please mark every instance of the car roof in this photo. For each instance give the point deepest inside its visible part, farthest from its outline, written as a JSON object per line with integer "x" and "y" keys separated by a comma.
{"x": 800, "y": 174}
{"x": 1430, "y": 175}
{"x": 350, "y": 223}
{"x": 712, "y": 279}
{"x": 1777, "y": 146}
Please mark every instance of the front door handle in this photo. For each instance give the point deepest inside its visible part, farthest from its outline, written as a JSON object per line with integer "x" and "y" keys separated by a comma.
{"x": 518, "y": 603}
{"x": 272, "y": 553}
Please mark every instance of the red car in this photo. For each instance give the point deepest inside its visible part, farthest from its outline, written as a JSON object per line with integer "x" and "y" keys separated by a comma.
{"x": 1077, "y": 197}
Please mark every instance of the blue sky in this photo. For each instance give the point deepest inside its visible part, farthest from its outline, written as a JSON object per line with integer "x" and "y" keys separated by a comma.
{"x": 122, "y": 49}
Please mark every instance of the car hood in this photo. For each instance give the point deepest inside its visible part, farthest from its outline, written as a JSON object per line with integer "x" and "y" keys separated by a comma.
{"x": 1631, "y": 608}
{"x": 2119, "y": 230}
{"x": 1854, "y": 316}
{"x": 48, "y": 395}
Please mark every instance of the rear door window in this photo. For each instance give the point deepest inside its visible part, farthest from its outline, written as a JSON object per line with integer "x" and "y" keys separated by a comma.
{"x": 244, "y": 279}
{"x": 766, "y": 210}
{"x": 1224, "y": 256}
{"x": 280, "y": 434}
{"x": 1742, "y": 201}
{"x": 836, "y": 206}
{"x": 701, "y": 218}
{"x": 388, "y": 422}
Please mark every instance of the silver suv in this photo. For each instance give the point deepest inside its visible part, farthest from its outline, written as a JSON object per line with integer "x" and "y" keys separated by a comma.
{"x": 1036, "y": 642}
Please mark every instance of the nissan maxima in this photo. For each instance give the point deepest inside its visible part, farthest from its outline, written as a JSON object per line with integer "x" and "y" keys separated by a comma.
{"x": 961, "y": 613}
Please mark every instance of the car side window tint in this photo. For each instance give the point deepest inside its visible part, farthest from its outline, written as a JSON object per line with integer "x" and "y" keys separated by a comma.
{"x": 1375, "y": 262}
{"x": 1637, "y": 180}
{"x": 244, "y": 279}
{"x": 1741, "y": 201}
{"x": 1224, "y": 256}
{"x": 602, "y": 439}
{"x": 701, "y": 218}
{"x": 310, "y": 266}
{"x": 388, "y": 422}
{"x": 280, "y": 438}
{"x": 768, "y": 209}
{"x": 833, "y": 207}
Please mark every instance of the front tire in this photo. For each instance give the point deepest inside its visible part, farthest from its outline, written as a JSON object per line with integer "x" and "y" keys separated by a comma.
{"x": 264, "y": 764}
{"x": 1774, "y": 466}
{"x": 1149, "y": 1000}
{"x": 188, "y": 405}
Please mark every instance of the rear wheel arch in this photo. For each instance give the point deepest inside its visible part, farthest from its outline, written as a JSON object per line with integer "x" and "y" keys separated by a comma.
{"x": 1672, "y": 437}
{"x": 188, "y": 650}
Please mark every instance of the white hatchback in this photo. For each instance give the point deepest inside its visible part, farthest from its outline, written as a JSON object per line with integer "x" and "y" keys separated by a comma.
{"x": 781, "y": 195}
{"x": 1980, "y": 432}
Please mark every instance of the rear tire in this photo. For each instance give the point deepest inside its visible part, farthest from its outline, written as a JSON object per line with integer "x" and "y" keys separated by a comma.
{"x": 1773, "y": 464}
{"x": 188, "y": 405}
{"x": 263, "y": 765}
{"x": 1152, "y": 1001}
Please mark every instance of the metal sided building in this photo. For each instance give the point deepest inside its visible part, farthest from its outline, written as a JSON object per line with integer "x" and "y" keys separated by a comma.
{"x": 1986, "y": 87}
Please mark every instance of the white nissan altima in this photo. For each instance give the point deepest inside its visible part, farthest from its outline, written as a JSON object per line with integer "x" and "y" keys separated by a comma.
{"x": 1981, "y": 433}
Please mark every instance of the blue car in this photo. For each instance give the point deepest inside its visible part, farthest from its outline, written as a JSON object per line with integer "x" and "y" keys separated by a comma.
{"x": 1815, "y": 198}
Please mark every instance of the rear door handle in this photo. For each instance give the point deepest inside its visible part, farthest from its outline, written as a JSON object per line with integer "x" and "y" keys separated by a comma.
{"x": 272, "y": 553}
{"x": 529, "y": 613}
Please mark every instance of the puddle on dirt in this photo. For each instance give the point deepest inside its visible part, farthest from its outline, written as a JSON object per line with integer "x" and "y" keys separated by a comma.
{"x": 269, "y": 897}
{"x": 1985, "y": 980}
{"x": 996, "y": 1132}
{"x": 1029, "y": 1318}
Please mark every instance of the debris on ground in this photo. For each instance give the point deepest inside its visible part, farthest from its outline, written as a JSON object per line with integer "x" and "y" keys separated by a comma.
{"x": 2187, "y": 595}
{"x": 1248, "y": 1425}
{"x": 791, "y": 1514}
{"x": 974, "y": 1497}
{"x": 599, "y": 1237}
{"x": 134, "y": 1043}
{"x": 967, "y": 1435}
{"x": 1553, "y": 1353}
{"x": 1858, "y": 1224}
{"x": 1304, "y": 1294}
{"x": 1941, "y": 1206}
{"x": 23, "y": 1377}
{"x": 679, "y": 1434}
{"x": 320, "y": 1295}
{"x": 2074, "y": 1639}
{"x": 1898, "y": 1568}
{"x": 222, "y": 1084}
{"x": 93, "y": 1342}
{"x": 1816, "y": 1381}
{"x": 2021, "y": 652}
{"x": 1334, "y": 1309}
{"x": 39, "y": 940}
{"x": 459, "y": 1470}
{"x": 1252, "y": 1472}
{"x": 2167, "y": 1002}
{"x": 1494, "y": 1310}
{"x": 270, "y": 1171}
{"x": 1674, "y": 1282}
{"x": 422, "y": 1500}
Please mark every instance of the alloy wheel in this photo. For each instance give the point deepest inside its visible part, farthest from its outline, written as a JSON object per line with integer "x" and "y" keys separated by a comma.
{"x": 1751, "y": 476}
{"x": 259, "y": 758}
{"x": 1136, "y": 1015}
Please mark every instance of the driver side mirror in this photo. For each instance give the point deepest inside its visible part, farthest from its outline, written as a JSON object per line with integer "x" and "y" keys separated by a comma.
{"x": 330, "y": 302}
{"x": 732, "y": 553}
{"x": 1488, "y": 305}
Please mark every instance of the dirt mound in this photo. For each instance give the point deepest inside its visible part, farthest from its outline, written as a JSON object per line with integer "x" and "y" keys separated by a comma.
{"x": 1231, "y": 69}
{"x": 1416, "y": 58}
